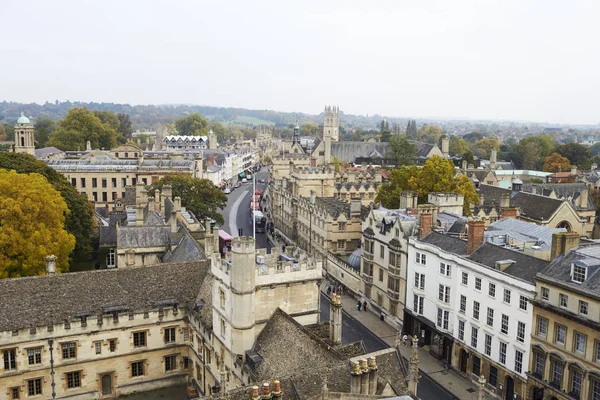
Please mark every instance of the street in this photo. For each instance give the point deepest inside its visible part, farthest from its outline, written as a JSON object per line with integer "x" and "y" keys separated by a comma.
{"x": 237, "y": 212}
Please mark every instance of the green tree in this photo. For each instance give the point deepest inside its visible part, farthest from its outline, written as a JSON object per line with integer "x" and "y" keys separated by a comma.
{"x": 43, "y": 129}
{"x": 402, "y": 151}
{"x": 2, "y": 133}
{"x": 545, "y": 144}
{"x": 430, "y": 134}
{"x": 437, "y": 175}
{"x": 125, "y": 128}
{"x": 595, "y": 149}
{"x": 578, "y": 154}
{"x": 458, "y": 146}
{"x": 530, "y": 155}
{"x": 80, "y": 219}
{"x": 219, "y": 130}
{"x": 198, "y": 195}
{"x": 79, "y": 126}
{"x": 108, "y": 118}
{"x": 310, "y": 129}
{"x": 484, "y": 146}
{"x": 33, "y": 218}
{"x": 411, "y": 130}
{"x": 192, "y": 125}
{"x": 555, "y": 163}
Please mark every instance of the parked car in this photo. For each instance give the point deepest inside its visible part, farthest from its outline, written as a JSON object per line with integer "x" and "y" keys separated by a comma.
{"x": 244, "y": 180}
{"x": 237, "y": 185}
{"x": 261, "y": 180}
{"x": 227, "y": 191}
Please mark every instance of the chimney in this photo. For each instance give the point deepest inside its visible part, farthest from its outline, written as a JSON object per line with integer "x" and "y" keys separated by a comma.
{"x": 355, "y": 378}
{"x": 138, "y": 192}
{"x": 583, "y": 198}
{"x": 505, "y": 200}
{"x": 573, "y": 170}
{"x": 157, "y": 201}
{"x": 178, "y": 204}
{"x": 139, "y": 215}
{"x": 173, "y": 221}
{"x": 445, "y": 146}
{"x": 335, "y": 319}
{"x": 151, "y": 204}
{"x": 167, "y": 193}
{"x": 312, "y": 197}
{"x": 266, "y": 391}
{"x": 51, "y": 265}
{"x": 563, "y": 242}
{"x": 474, "y": 235}
{"x": 255, "y": 393}
{"x": 372, "y": 376}
{"x": 363, "y": 167}
{"x": 508, "y": 213}
{"x": 426, "y": 221}
{"x": 277, "y": 393}
{"x": 364, "y": 377}
{"x": 88, "y": 146}
{"x": 464, "y": 165}
{"x": 481, "y": 200}
{"x": 493, "y": 156}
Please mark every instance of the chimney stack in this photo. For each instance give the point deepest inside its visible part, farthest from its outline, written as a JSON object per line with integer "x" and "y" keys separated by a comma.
{"x": 139, "y": 215}
{"x": 151, "y": 204}
{"x": 583, "y": 198}
{"x": 335, "y": 319}
{"x": 173, "y": 221}
{"x": 51, "y": 265}
{"x": 493, "y": 156}
{"x": 355, "y": 378}
{"x": 445, "y": 146}
{"x": 505, "y": 200}
{"x": 573, "y": 170}
{"x": 178, "y": 204}
{"x": 509, "y": 213}
{"x": 475, "y": 231}
{"x": 88, "y": 146}
{"x": 157, "y": 201}
{"x": 167, "y": 193}
{"x": 425, "y": 221}
{"x": 464, "y": 165}
{"x": 563, "y": 242}
{"x": 364, "y": 377}
{"x": 312, "y": 197}
{"x": 372, "y": 376}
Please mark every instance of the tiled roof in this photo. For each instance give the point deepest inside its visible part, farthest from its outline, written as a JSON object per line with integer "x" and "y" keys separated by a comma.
{"x": 445, "y": 242}
{"x": 187, "y": 250}
{"x": 334, "y": 206}
{"x": 143, "y": 236}
{"x": 566, "y": 191}
{"x": 560, "y": 269}
{"x": 49, "y": 299}
{"x": 535, "y": 206}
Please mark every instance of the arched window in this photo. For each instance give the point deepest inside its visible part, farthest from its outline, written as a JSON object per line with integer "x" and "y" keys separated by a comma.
{"x": 566, "y": 225}
{"x": 22, "y": 140}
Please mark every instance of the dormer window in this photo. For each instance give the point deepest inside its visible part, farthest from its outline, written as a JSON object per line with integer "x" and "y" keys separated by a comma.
{"x": 578, "y": 273}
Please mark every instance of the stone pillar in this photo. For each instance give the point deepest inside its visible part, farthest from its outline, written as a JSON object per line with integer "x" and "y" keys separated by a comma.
{"x": 413, "y": 367}
{"x": 335, "y": 319}
{"x": 372, "y": 376}
{"x": 51, "y": 265}
{"x": 364, "y": 377}
{"x": 355, "y": 378}
{"x": 481, "y": 386}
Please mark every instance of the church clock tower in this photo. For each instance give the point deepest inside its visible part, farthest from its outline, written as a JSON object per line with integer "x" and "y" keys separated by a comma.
{"x": 24, "y": 142}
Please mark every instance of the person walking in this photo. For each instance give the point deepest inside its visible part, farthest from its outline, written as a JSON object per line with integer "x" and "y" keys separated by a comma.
{"x": 358, "y": 305}
{"x": 365, "y": 305}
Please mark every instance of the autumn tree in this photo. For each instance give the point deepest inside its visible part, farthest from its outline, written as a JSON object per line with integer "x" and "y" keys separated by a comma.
{"x": 484, "y": 146}
{"x": 437, "y": 175}
{"x": 43, "y": 128}
{"x": 198, "y": 195}
{"x": 192, "y": 125}
{"x": 81, "y": 125}
{"x": 458, "y": 146}
{"x": 402, "y": 151}
{"x": 80, "y": 219}
{"x": 556, "y": 163}
{"x": 430, "y": 134}
{"x": 33, "y": 218}
{"x": 310, "y": 129}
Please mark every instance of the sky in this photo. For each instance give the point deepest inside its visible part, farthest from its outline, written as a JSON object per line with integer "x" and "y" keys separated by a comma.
{"x": 524, "y": 60}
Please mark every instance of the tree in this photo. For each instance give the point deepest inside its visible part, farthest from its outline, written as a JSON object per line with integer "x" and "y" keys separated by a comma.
{"x": 192, "y": 125}
{"x": 556, "y": 163}
{"x": 411, "y": 130}
{"x": 485, "y": 146}
{"x": 437, "y": 175}
{"x": 80, "y": 219}
{"x": 401, "y": 150}
{"x": 578, "y": 154}
{"x": 458, "y": 146}
{"x": 530, "y": 155}
{"x": 81, "y": 125}
{"x": 544, "y": 143}
{"x": 595, "y": 149}
{"x": 430, "y": 134}
{"x": 2, "y": 133}
{"x": 43, "y": 128}
{"x": 473, "y": 137}
{"x": 124, "y": 125}
{"x": 310, "y": 129}
{"x": 198, "y": 195}
{"x": 33, "y": 218}
{"x": 108, "y": 118}
{"x": 219, "y": 130}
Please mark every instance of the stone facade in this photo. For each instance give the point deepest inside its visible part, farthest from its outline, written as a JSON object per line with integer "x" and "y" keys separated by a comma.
{"x": 24, "y": 138}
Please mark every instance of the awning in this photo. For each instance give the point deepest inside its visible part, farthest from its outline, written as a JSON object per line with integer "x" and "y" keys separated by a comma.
{"x": 242, "y": 175}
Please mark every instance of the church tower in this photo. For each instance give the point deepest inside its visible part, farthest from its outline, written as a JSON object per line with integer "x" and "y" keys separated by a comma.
{"x": 296, "y": 136}
{"x": 331, "y": 124}
{"x": 24, "y": 142}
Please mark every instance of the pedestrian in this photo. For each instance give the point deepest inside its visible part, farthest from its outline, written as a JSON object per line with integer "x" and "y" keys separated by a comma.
{"x": 365, "y": 305}
{"x": 405, "y": 340}
{"x": 329, "y": 290}
{"x": 283, "y": 248}
{"x": 358, "y": 305}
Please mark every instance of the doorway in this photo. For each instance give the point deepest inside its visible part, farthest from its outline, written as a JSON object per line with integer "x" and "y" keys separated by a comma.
{"x": 510, "y": 388}
{"x": 538, "y": 393}
{"x": 107, "y": 387}
{"x": 464, "y": 356}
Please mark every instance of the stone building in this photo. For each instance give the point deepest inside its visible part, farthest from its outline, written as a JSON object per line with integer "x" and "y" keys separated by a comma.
{"x": 24, "y": 138}
{"x": 182, "y": 142}
{"x": 565, "y": 356}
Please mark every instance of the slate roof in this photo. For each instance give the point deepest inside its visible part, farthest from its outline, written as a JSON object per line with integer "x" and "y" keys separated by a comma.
{"x": 143, "y": 236}
{"x": 535, "y": 206}
{"x": 567, "y": 191}
{"x": 46, "y": 151}
{"x": 187, "y": 250}
{"x": 334, "y": 206}
{"x": 48, "y": 299}
{"x": 445, "y": 242}
{"x": 108, "y": 236}
{"x": 491, "y": 194}
{"x": 523, "y": 232}
{"x": 350, "y": 151}
{"x": 525, "y": 267}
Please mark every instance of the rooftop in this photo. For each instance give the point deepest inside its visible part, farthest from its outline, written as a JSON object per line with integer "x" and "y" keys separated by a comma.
{"x": 445, "y": 242}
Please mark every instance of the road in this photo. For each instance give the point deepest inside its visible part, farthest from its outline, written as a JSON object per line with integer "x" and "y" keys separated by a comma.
{"x": 237, "y": 212}
{"x": 353, "y": 331}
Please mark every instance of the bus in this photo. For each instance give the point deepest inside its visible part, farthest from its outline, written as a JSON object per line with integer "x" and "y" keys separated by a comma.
{"x": 224, "y": 242}
{"x": 260, "y": 221}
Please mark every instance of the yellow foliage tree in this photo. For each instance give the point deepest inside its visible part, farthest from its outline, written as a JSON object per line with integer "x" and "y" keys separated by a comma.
{"x": 556, "y": 163}
{"x": 33, "y": 219}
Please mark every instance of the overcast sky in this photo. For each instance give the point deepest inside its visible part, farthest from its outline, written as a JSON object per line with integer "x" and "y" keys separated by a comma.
{"x": 506, "y": 59}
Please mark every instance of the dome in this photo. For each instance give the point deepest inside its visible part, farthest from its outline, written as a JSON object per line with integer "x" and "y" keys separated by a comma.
{"x": 354, "y": 259}
{"x": 23, "y": 119}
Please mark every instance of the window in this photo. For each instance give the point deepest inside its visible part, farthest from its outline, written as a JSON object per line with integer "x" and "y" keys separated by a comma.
{"x": 139, "y": 339}
{"x": 222, "y": 327}
{"x": 506, "y": 297}
{"x": 34, "y": 387}
{"x": 15, "y": 392}
{"x": 595, "y": 390}
{"x": 381, "y": 251}
{"x": 490, "y": 316}
{"x": 419, "y": 281}
{"x": 476, "y": 310}
{"x": 463, "y": 304}
{"x": 502, "y": 353}
{"x": 545, "y": 293}
{"x": 421, "y": 258}
{"x": 445, "y": 269}
{"x": 461, "y": 330}
{"x": 342, "y": 226}
{"x": 169, "y": 335}
{"x": 418, "y": 304}
{"x": 73, "y": 379}
{"x": 557, "y": 373}
{"x": 94, "y": 182}
{"x": 82, "y": 182}
{"x": 341, "y": 244}
{"x": 504, "y": 326}
{"x": 561, "y": 334}
{"x": 112, "y": 345}
{"x": 518, "y": 361}
{"x": 493, "y": 379}
{"x": 186, "y": 334}
{"x": 68, "y": 350}
{"x": 477, "y": 283}
{"x": 114, "y": 182}
{"x": 523, "y": 302}
{"x": 563, "y": 300}
{"x": 465, "y": 278}
{"x": 10, "y": 359}
{"x": 186, "y": 362}
{"x": 103, "y": 182}
{"x": 579, "y": 342}
{"x": 540, "y": 361}
{"x": 476, "y": 366}
{"x": 34, "y": 356}
{"x": 444, "y": 293}
{"x": 583, "y": 307}
{"x": 578, "y": 273}
{"x": 137, "y": 369}
{"x": 576, "y": 382}
{"x": 98, "y": 347}
{"x": 392, "y": 261}
{"x": 542, "y": 328}
{"x": 492, "y": 289}
{"x": 442, "y": 319}
{"x": 474, "y": 332}
{"x": 110, "y": 258}
{"x": 170, "y": 363}
{"x": 597, "y": 352}
{"x": 380, "y": 274}
{"x": 520, "y": 331}
{"x": 488, "y": 345}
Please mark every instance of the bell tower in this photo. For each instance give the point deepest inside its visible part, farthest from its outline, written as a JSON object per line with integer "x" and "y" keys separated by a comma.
{"x": 24, "y": 142}
{"x": 331, "y": 124}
